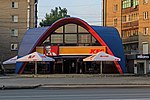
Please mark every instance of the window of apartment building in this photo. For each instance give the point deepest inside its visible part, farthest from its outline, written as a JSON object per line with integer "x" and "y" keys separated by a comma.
{"x": 134, "y": 32}
{"x": 14, "y": 18}
{"x": 145, "y": 1}
{"x": 14, "y": 46}
{"x": 124, "y": 18}
{"x": 123, "y": 34}
{"x": 133, "y": 17}
{"x": 14, "y": 4}
{"x": 14, "y": 32}
{"x": 115, "y": 21}
{"x": 145, "y": 15}
{"x": 135, "y": 3}
{"x": 145, "y": 47}
{"x": 129, "y": 18}
{"x": 129, "y": 3}
{"x": 145, "y": 30}
{"x": 126, "y": 3}
{"x": 115, "y": 8}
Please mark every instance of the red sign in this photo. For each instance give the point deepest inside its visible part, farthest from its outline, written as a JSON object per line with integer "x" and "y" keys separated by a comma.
{"x": 95, "y": 51}
{"x": 51, "y": 50}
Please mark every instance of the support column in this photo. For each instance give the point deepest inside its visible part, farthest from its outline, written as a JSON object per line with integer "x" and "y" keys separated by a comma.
{"x": 101, "y": 68}
{"x": 35, "y": 67}
{"x": 62, "y": 65}
{"x": 77, "y": 65}
{"x": 85, "y": 67}
{"x": 54, "y": 67}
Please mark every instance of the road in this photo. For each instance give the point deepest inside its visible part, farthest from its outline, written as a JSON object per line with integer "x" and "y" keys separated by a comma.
{"x": 77, "y": 94}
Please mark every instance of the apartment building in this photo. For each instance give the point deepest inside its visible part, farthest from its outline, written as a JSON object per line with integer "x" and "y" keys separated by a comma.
{"x": 16, "y": 16}
{"x": 132, "y": 19}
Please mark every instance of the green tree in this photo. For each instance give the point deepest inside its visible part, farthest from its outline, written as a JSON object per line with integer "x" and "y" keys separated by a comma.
{"x": 55, "y": 14}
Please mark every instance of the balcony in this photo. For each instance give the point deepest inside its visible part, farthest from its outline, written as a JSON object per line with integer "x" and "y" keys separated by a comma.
{"x": 131, "y": 39}
{"x": 129, "y": 10}
{"x": 130, "y": 25}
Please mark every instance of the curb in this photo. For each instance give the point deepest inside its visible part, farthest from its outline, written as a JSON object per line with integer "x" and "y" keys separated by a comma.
{"x": 95, "y": 86}
{"x": 67, "y": 86}
{"x": 18, "y": 87}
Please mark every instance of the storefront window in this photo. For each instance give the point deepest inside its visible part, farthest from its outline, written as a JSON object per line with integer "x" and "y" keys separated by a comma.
{"x": 71, "y": 28}
{"x": 70, "y": 38}
{"x": 82, "y": 30}
{"x": 57, "y": 38}
{"x": 93, "y": 40}
{"x": 84, "y": 38}
{"x": 59, "y": 30}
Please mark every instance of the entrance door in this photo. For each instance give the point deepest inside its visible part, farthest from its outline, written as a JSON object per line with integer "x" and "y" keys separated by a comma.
{"x": 140, "y": 68}
{"x": 70, "y": 66}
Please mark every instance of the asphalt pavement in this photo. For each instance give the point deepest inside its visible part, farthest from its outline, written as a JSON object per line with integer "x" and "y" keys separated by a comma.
{"x": 73, "y": 81}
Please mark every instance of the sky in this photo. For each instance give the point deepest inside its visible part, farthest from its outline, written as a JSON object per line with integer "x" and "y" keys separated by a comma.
{"x": 88, "y": 10}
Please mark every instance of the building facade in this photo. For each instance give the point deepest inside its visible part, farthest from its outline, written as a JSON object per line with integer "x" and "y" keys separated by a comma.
{"x": 131, "y": 18}
{"x": 69, "y": 41}
{"x": 16, "y": 16}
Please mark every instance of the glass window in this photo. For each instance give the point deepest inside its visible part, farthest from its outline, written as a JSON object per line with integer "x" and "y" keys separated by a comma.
{"x": 145, "y": 1}
{"x": 145, "y": 15}
{"x": 124, "y": 18}
{"x": 126, "y": 3}
{"x": 14, "y": 18}
{"x": 57, "y": 38}
{"x": 59, "y": 30}
{"x": 145, "y": 31}
{"x": 71, "y": 28}
{"x": 14, "y": 32}
{"x": 115, "y": 7}
{"x": 145, "y": 47}
{"x": 84, "y": 38}
{"x": 70, "y": 38}
{"x": 115, "y": 22}
{"x": 135, "y": 3}
{"x": 82, "y": 30}
{"x": 47, "y": 41}
{"x": 14, "y": 46}
{"x": 93, "y": 40}
{"x": 14, "y": 4}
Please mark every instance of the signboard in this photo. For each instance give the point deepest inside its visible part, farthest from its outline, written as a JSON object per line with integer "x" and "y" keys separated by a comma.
{"x": 48, "y": 50}
{"x": 143, "y": 56}
{"x": 51, "y": 50}
{"x": 80, "y": 50}
{"x": 70, "y": 50}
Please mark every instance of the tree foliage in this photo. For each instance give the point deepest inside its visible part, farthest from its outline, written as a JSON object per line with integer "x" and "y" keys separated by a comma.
{"x": 55, "y": 14}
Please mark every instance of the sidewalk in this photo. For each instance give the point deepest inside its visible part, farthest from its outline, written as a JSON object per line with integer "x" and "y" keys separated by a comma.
{"x": 73, "y": 81}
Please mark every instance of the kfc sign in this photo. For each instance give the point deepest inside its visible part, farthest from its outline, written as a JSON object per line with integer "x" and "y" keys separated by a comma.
{"x": 80, "y": 50}
{"x": 51, "y": 50}
{"x": 95, "y": 51}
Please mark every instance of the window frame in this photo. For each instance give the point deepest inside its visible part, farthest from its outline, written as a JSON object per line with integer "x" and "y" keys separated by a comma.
{"x": 115, "y": 21}
{"x": 145, "y": 15}
{"x": 15, "y": 18}
{"x": 145, "y": 1}
{"x": 15, "y": 48}
{"x": 145, "y": 30}
{"x": 14, "y": 5}
{"x": 14, "y": 32}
